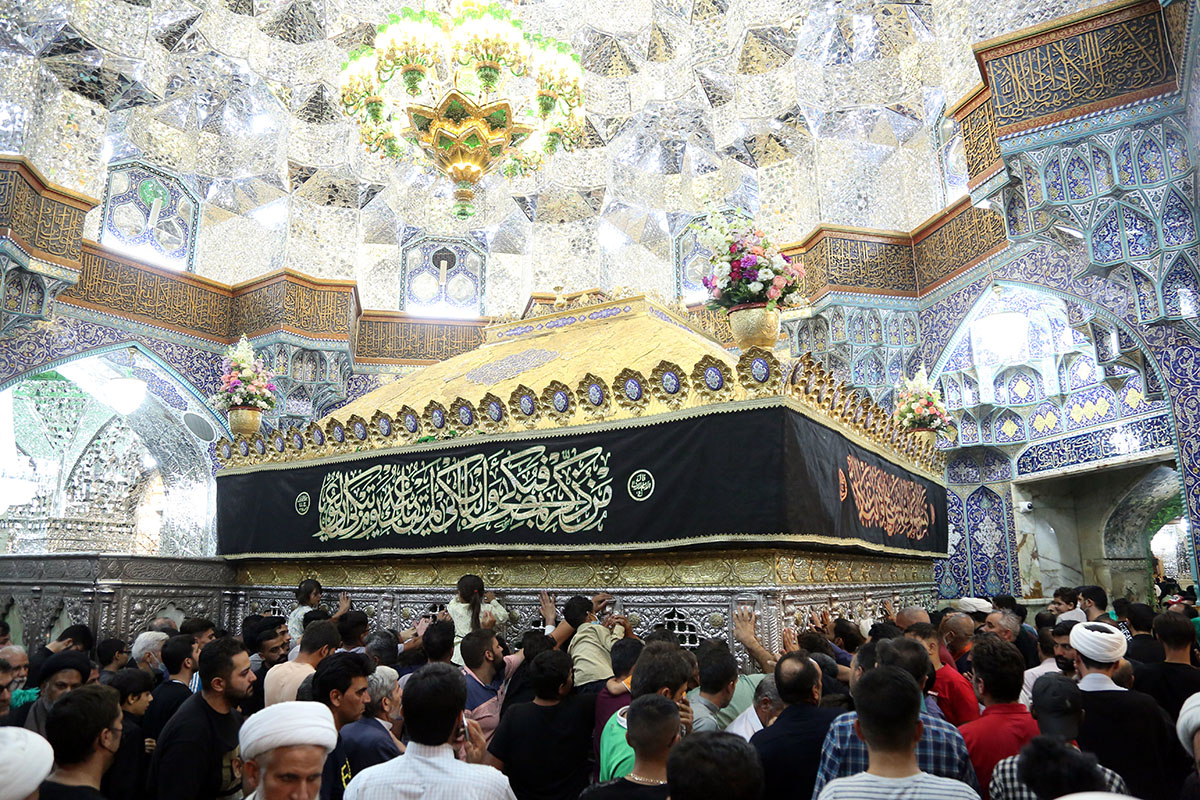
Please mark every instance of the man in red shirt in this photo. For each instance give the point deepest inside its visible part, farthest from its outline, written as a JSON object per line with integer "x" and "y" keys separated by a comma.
{"x": 1005, "y": 725}
{"x": 955, "y": 697}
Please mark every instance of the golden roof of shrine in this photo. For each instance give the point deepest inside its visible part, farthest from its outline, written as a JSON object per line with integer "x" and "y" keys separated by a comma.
{"x": 579, "y": 360}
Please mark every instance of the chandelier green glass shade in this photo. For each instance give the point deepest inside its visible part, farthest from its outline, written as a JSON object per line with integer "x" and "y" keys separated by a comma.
{"x": 475, "y": 95}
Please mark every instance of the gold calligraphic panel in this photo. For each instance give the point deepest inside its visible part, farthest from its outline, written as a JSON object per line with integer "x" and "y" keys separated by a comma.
{"x": 259, "y": 308}
{"x": 863, "y": 262}
{"x": 966, "y": 238}
{"x": 715, "y": 322}
{"x": 162, "y": 298}
{"x": 317, "y": 310}
{"x": 414, "y": 340}
{"x": 1112, "y": 59}
{"x": 45, "y": 221}
{"x": 979, "y": 139}
{"x": 766, "y": 568}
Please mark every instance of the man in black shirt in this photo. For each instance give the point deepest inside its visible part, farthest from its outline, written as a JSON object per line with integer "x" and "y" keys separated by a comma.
{"x": 75, "y": 637}
{"x": 84, "y": 728}
{"x": 653, "y": 731}
{"x": 1173, "y": 680}
{"x": 179, "y": 655}
{"x": 270, "y": 645}
{"x": 790, "y": 749}
{"x": 543, "y": 746}
{"x": 1143, "y": 646}
{"x": 126, "y": 779}
{"x": 197, "y": 751}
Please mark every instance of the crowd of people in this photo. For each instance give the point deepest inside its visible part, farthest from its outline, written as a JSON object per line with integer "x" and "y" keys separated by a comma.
{"x": 970, "y": 701}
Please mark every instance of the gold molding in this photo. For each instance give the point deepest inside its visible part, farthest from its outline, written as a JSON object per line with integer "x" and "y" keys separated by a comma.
{"x": 767, "y": 568}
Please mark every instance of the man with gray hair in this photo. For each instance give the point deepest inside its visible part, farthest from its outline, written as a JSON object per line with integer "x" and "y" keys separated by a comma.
{"x": 766, "y": 707}
{"x": 1007, "y": 626}
{"x": 146, "y": 652}
{"x": 369, "y": 740}
{"x": 18, "y": 662}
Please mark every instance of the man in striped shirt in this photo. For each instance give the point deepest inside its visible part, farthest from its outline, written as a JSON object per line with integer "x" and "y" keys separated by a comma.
{"x": 890, "y": 724}
{"x": 940, "y": 750}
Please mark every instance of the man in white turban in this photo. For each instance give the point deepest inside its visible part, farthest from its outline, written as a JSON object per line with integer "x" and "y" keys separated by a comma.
{"x": 1127, "y": 731}
{"x": 283, "y": 749}
{"x": 25, "y": 761}
{"x": 1188, "y": 724}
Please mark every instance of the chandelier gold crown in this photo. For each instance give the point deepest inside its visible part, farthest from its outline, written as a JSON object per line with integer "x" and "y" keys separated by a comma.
{"x": 458, "y": 106}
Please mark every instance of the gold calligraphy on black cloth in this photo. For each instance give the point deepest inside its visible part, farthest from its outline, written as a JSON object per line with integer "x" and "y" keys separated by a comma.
{"x": 896, "y": 505}
{"x": 1068, "y": 75}
{"x": 567, "y": 490}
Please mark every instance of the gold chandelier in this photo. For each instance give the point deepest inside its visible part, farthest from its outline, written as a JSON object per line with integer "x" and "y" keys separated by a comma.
{"x": 475, "y": 94}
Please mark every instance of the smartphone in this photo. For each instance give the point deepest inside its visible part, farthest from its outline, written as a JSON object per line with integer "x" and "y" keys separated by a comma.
{"x": 618, "y": 607}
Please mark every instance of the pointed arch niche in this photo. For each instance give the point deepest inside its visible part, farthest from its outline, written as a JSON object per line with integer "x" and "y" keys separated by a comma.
{"x": 1061, "y": 419}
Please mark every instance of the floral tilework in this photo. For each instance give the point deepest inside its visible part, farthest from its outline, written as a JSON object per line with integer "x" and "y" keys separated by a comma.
{"x": 963, "y": 469}
{"x": 988, "y": 530}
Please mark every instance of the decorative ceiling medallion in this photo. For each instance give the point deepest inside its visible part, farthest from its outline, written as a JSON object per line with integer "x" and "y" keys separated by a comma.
{"x": 492, "y": 413}
{"x": 669, "y": 384}
{"x": 524, "y": 405}
{"x": 759, "y": 372}
{"x": 712, "y": 379}
{"x": 435, "y": 415}
{"x": 410, "y": 421}
{"x": 462, "y": 416}
{"x": 382, "y": 426}
{"x": 629, "y": 388}
{"x": 559, "y": 402}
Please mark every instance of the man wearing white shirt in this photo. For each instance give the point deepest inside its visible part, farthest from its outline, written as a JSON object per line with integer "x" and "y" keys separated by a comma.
{"x": 433, "y": 702}
{"x": 761, "y": 713}
{"x": 1045, "y": 646}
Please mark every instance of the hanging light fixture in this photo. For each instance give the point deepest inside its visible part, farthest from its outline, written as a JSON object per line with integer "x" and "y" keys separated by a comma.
{"x": 478, "y": 95}
{"x": 126, "y": 393}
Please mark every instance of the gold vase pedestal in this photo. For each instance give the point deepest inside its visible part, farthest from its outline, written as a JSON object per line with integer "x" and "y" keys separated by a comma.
{"x": 754, "y": 325}
{"x": 244, "y": 420}
{"x": 924, "y": 435}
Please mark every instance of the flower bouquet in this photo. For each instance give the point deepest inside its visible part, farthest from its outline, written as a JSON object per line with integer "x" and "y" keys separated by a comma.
{"x": 246, "y": 388}
{"x": 919, "y": 407}
{"x": 746, "y": 267}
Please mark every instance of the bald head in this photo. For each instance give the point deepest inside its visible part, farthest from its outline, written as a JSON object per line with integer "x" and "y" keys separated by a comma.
{"x": 957, "y": 629}
{"x": 911, "y": 615}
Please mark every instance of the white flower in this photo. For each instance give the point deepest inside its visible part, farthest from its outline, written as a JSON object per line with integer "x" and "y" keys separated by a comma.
{"x": 721, "y": 270}
{"x": 756, "y": 287}
{"x": 765, "y": 275}
{"x": 779, "y": 261}
{"x": 722, "y": 283}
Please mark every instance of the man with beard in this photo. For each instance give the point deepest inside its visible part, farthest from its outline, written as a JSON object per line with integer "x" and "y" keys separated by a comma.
{"x": 197, "y": 752}
{"x": 18, "y": 661}
{"x": 1064, "y": 653}
{"x": 60, "y": 673}
{"x": 270, "y": 642}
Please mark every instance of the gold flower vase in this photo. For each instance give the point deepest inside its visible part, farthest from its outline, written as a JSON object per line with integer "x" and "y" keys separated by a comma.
{"x": 924, "y": 435}
{"x": 244, "y": 420}
{"x": 754, "y": 325}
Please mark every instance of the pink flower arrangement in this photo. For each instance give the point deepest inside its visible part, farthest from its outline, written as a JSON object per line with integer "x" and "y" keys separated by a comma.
{"x": 745, "y": 267}
{"x": 919, "y": 406}
{"x": 245, "y": 380}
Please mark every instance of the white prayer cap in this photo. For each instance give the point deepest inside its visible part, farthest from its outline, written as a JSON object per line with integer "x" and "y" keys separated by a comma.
{"x": 1189, "y": 723}
{"x": 27, "y": 760}
{"x": 288, "y": 724}
{"x": 970, "y": 605}
{"x": 1099, "y": 642}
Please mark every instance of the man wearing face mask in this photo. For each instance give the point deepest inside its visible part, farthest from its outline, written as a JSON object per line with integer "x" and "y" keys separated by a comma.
{"x": 146, "y": 654}
{"x": 371, "y": 739}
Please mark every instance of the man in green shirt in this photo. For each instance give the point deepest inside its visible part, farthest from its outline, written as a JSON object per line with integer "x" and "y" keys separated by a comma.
{"x": 660, "y": 669}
